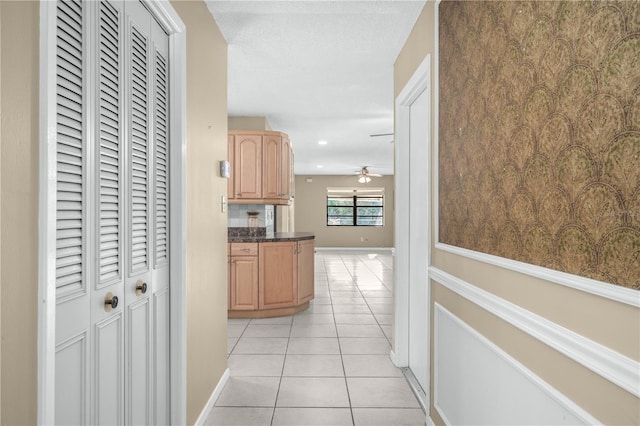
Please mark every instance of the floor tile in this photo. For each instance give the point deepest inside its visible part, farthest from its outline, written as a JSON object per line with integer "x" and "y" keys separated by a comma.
{"x": 374, "y": 294}
{"x": 231, "y": 343}
{"x": 238, "y": 321}
{"x": 317, "y": 309}
{"x": 350, "y": 330}
{"x": 321, "y": 301}
{"x": 256, "y": 365}
{"x": 364, "y": 346}
{"x": 313, "y": 366}
{"x": 314, "y": 346}
{"x": 345, "y": 293}
{"x": 389, "y": 416}
{"x": 381, "y": 308}
{"x": 313, "y": 319}
{"x": 239, "y": 416}
{"x": 312, "y": 417}
{"x": 261, "y": 345}
{"x": 236, "y": 330}
{"x": 388, "y": 331}
{"x": 312, "y": 392}
{"x": 274, "y": 320}
{"x": 381, "y": 392}
{"x": 351, "y": 309}
{"x": 249, "y": 392}
{"x": 353, "y": 300}
{"x": 370, "y": 366}
{"x": 267, "y": 330}
{"x": 384, "y": 319}
{"x": 313, "y": 330}
{"x": 355, "y": 319}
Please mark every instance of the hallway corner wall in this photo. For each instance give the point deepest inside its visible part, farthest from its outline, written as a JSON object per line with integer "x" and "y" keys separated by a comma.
{"x": 521, "y": 313}
{"x": 19, "y": 158}
{"x": 206, "y": 237}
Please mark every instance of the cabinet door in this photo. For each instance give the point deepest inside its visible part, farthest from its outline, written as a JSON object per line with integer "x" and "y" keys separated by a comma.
{"x": 271, "y": 166}
{"x": 231, "y": 193}
{"x": 306, "y": 265}
{"x": 278, "y": 287}
{"x": 286, "y": 170}
{"x": 243, "y": 283}
{"x": 248, "y": 166}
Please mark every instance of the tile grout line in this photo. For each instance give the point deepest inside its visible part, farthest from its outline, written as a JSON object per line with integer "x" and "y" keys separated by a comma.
{"x": 344, "y": 371}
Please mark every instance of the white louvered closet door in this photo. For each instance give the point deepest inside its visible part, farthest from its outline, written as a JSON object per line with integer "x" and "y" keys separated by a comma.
{"x": 112, "y": 360}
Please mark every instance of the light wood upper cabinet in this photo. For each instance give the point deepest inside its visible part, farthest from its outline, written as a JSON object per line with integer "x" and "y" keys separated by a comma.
{"x": 306, "y": 265}
{"x": 286, "y": 172}
{"x": 271, "y": 166}
{"x": 261, "y": 165}
{"x": 248, "y": 166}
{"x": 278, "y": 282}
{"x": 231, "y": 191}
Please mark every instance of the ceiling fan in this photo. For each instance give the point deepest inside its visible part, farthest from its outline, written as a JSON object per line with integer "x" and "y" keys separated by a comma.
{"x": 364, "y": 176}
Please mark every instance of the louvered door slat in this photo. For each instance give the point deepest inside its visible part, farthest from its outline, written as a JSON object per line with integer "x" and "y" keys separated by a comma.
{"x": 139, "y": 153}
{"x": 70, "y": 237}
{"x": 109, "y": 83}
{"x": 161, "y": 169}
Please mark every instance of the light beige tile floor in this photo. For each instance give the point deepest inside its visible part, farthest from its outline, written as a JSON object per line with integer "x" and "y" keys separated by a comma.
{"x": 328, "y": 365}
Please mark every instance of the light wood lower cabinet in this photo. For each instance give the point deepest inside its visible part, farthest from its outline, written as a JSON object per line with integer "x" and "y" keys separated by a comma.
{"x": 243, "y": 277}
{"x": 306, "y": 264}
{"x": 277, "y": 280}
{"x": 278, "y": 283}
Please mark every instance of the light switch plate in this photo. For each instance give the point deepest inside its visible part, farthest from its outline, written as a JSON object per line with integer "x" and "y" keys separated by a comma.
{"x": 225, "y": 169}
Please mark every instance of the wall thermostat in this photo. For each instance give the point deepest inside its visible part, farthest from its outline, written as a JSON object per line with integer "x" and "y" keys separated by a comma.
{"x": 225, "y": 169}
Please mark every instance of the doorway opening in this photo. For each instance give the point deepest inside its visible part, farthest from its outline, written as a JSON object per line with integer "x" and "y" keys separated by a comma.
{"x": 413, "y": 230}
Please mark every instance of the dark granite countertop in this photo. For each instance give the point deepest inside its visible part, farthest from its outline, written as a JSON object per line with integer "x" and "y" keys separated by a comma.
{"x": 276, "y": 237}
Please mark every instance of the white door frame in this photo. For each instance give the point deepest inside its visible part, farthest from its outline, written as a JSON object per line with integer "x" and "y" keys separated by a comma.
{"x": 419, "y": 82}
{"x": 171, "y": 22}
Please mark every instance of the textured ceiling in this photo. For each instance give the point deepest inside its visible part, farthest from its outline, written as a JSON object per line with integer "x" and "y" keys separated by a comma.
{"x": 319, "y": 70}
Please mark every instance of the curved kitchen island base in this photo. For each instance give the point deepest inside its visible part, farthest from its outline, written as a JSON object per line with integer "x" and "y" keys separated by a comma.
{"x": 271, "y": 276}
{"x": 269, "y": 313}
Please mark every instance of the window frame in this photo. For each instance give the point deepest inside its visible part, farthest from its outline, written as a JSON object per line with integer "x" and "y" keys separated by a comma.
{"x": 354, "y": 209}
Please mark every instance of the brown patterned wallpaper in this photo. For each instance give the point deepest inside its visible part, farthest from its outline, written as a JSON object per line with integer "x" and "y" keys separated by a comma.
{"x": 540, "y": 133}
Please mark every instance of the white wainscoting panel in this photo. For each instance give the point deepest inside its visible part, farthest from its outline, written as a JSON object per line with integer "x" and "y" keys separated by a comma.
{"x": 478, "y": 383}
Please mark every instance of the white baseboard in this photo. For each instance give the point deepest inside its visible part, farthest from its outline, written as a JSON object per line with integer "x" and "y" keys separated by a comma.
{"x": 213, "y": 398}
{"x": 430, "y": 421}
{"x": 389, "y": 249}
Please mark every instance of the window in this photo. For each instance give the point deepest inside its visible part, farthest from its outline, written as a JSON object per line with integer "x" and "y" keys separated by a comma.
{"x": 353, "y": 207}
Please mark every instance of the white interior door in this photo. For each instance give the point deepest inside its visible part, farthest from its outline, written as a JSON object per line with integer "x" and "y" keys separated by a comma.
{"x": 112, "y": 255}
{"x": 419, "y": 193}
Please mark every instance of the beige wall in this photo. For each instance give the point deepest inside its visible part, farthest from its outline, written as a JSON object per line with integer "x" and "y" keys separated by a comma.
{"x": 592, "y": 316}
{"x": 248, "y": 123}
{"x": 19, "y": 209}
{"x": 206, "y": 224}
{"x": 311, "y": 213}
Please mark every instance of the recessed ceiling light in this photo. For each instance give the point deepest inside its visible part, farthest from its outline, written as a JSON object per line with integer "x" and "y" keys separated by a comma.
{"x": 322, "y": 142}
{"x": 319, "y": 166}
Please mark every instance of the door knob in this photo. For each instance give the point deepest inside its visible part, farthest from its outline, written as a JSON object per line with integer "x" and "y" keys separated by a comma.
{"x": 141, "y": 287}
{"x": 110, "y": 302}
